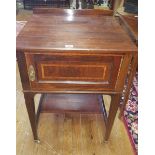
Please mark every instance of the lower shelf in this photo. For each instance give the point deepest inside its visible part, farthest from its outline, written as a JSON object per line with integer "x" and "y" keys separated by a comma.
{"x": 83, "y": 103}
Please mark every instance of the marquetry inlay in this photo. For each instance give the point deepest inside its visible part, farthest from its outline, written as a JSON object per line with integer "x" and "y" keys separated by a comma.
{"x": 74, "y": 71}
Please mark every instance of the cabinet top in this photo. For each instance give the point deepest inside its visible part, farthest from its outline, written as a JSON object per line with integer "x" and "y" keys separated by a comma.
{"x": 73, "y": 30}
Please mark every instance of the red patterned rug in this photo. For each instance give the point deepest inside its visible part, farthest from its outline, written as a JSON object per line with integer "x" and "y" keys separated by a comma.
{"x": 130, "y": 116}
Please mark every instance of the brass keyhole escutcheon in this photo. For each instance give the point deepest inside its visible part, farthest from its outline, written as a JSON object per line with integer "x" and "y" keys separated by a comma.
{"x": 31, "y": 73}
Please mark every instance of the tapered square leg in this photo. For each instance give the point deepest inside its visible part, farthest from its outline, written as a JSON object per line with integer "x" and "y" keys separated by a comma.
{"x": 30, "y": 105}
{"x": 115, "y": 101}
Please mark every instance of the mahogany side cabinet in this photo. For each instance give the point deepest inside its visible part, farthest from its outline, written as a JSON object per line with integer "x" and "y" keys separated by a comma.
{"x": 62, "y": 51}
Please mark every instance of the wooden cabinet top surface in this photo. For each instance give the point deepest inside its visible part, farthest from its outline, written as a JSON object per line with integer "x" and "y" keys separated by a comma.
{"x": 73, "y": 30}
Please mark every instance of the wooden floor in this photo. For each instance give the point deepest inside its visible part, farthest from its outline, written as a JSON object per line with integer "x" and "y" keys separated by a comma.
{"x": 68, "y": 134}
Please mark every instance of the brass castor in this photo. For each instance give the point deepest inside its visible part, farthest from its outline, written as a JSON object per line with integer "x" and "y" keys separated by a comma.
{"x": 37, "y": 141}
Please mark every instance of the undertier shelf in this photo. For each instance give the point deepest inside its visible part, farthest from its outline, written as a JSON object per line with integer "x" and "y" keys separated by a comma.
{"x": 89, "y": 103}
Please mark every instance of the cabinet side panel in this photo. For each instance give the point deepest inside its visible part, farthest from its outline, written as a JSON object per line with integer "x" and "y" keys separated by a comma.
{"x": 23, "y": 70}
{"x": 123, "y": 72}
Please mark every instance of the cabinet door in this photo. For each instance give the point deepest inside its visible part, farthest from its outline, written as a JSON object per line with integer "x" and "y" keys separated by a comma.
{"x": 66, "y": 71}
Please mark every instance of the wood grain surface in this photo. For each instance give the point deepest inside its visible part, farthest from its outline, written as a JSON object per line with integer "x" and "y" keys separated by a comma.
{"x": 81, "y": 103}
{"x": 74, "y": 31}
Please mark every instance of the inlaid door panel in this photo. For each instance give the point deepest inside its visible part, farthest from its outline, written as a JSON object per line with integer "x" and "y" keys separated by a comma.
{"x": 54, "y": 70}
